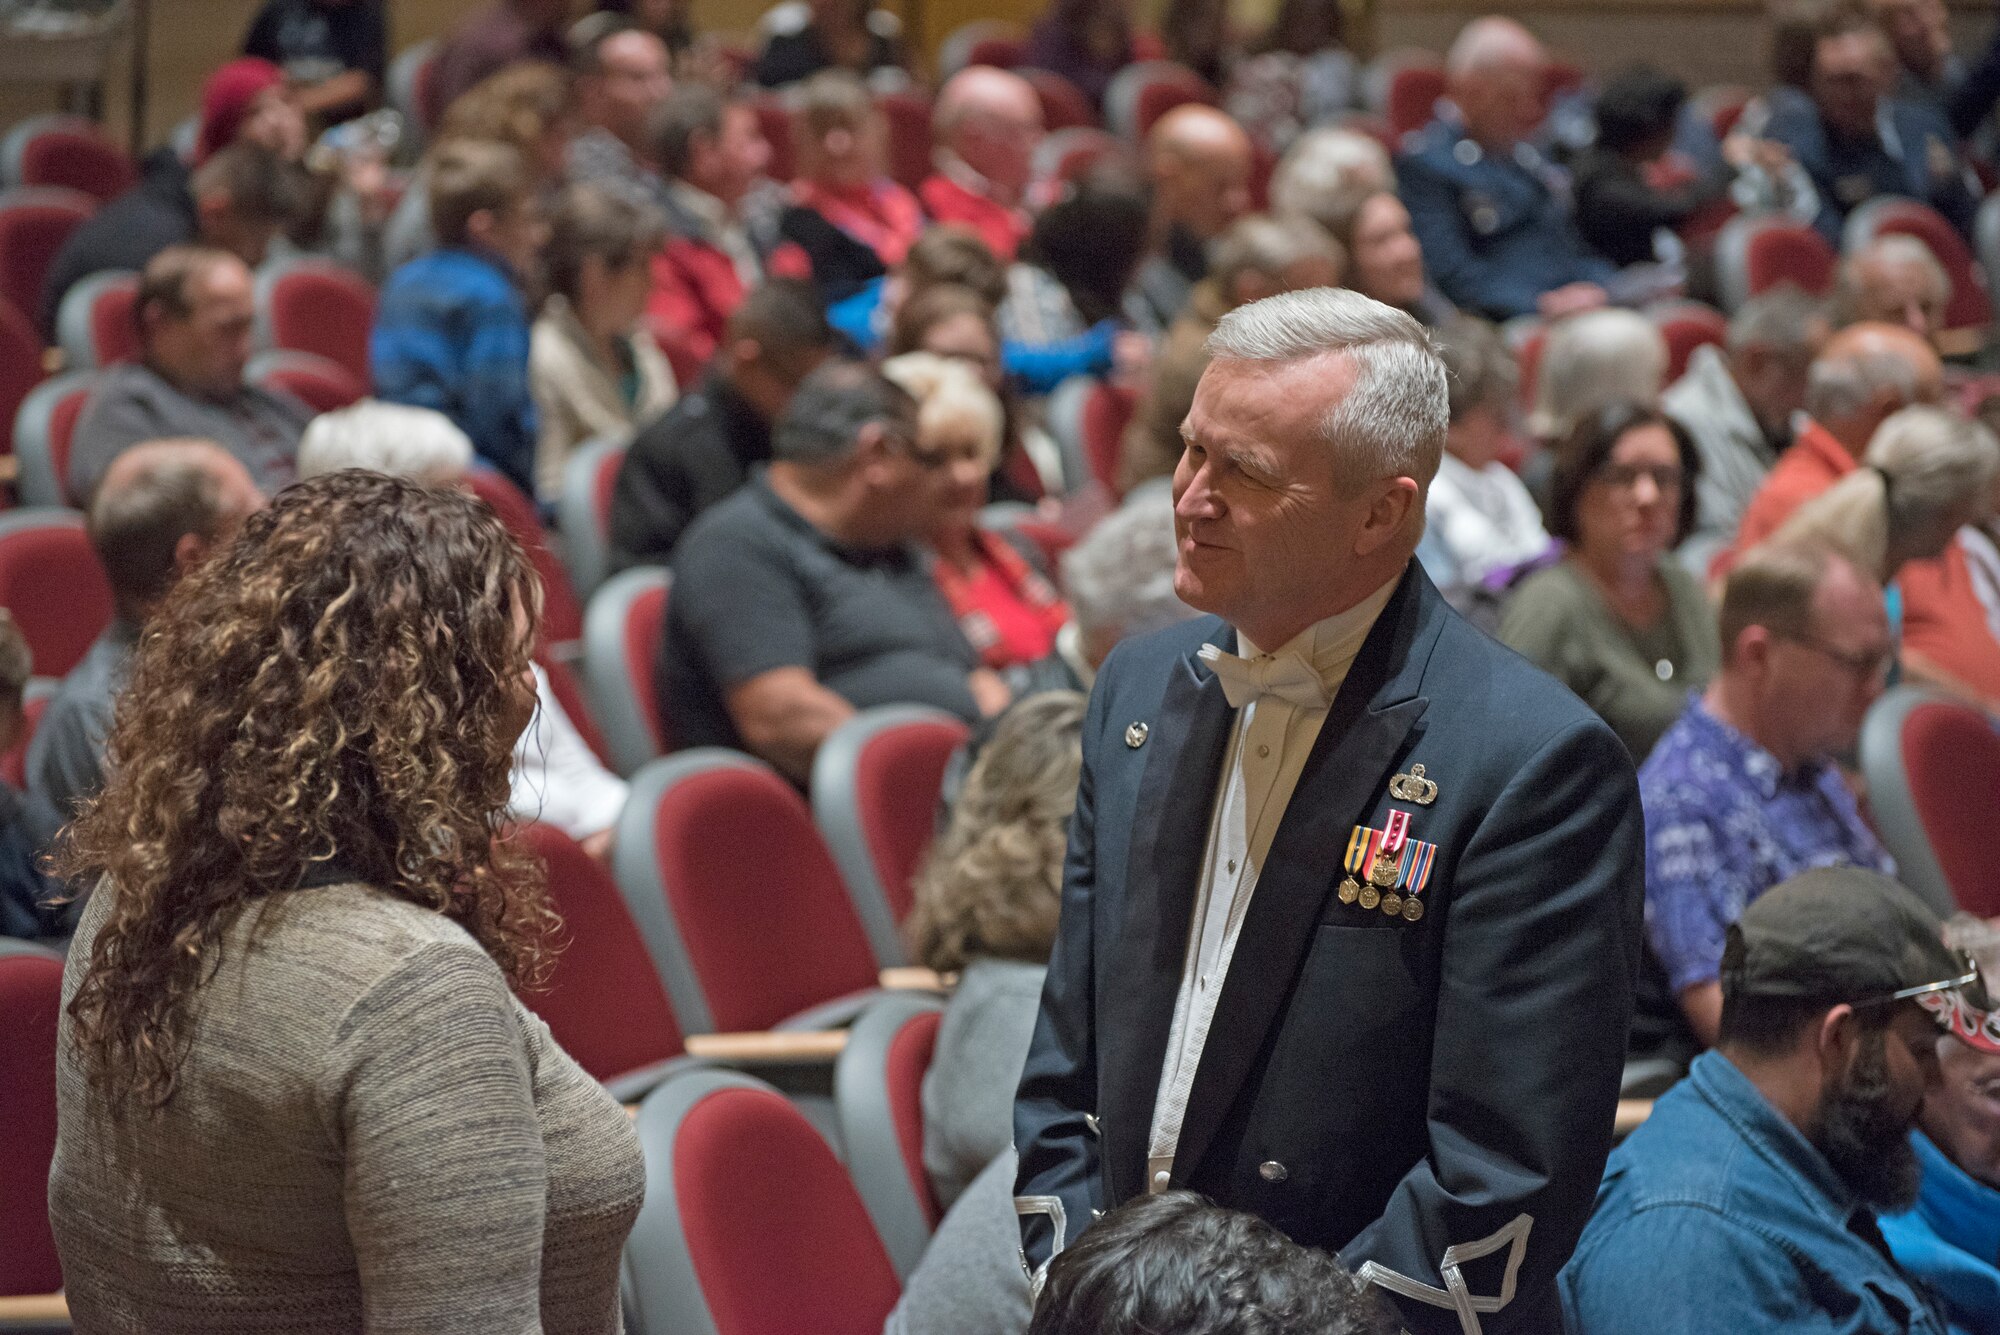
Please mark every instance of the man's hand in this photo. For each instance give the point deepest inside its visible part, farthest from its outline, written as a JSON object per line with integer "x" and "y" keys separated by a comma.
{"x": 988, "y": 692}
{"x": 1571, "y": 299}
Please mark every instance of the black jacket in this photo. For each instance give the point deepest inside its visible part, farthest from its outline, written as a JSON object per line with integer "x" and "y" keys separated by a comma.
{"x": 1433, "y": 1098}
{"x": 126, "y": 233}
{"x": 693, "y": 455}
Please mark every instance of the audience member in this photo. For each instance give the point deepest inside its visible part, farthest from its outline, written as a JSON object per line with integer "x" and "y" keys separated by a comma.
{"x": 707, "y": 443}
{"x": 1174, "y": 1264}
{"x": 1119, "y": 579}
{"x": 1324, "y": 168}
{"x": 1617, "y": 620}
{"x": 852, "y": 222}
{"x": 1197, "y": 36}
{"x": 163, "y": 507}
{"x": 1256, "y": 258}
{"x": 1946, "y": 1239}
{"x": 1297, "y": 74}
{"x": 1199, "y": 162}
{"x": 238, "y": 200}
{"x": 1919, "y": 36}
{"x": 249, "y": 100}
{"x": 940, "y": 256}
{"x": 799, "y": 599}
{"x": 985, "y": 909}
{"x": 1005, "y": 606}
{"x": 335, "y": 53}
{"x": 1619, "y": 208}
{"x": 1737, "y": 403}
{"x": 592, "y": 363}
{"x": 1480, "y": 520}
{"x": 969, "y": 1281}
{"x": 1077, "y": 262}
{"x": 986, "y": 125}
{"x": 1863, "y": 374}
{"x": 713, "y": 154}
{"x": 621, "y": 79}
{"x": 672, "y": 21}
{"x": 556, "y": 776}
{"x": 194, "y": 311}
{"x": 1856, "y": 141}
{"x": 1742, "y": 792}
{"x": 1591, "y": 360}
{"x": 1762, "y": 1173}
{"x": 818, "y": 35}
{"x": 503, "y": 33}
{"x": 1894, "y": 279}
{"x": 27, "y": 821}
{"x": 1492, "y": 213}
{"x": 1384, "y": 258}
{"x": 451, "y": 332}
{"x": 1085, "y": 41}
{"x": 297, "y": 964}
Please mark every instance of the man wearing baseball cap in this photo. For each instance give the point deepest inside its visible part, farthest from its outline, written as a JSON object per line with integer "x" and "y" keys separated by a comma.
{"x": 1748, "y": 1200}
{"x": 1951, "y": 1238}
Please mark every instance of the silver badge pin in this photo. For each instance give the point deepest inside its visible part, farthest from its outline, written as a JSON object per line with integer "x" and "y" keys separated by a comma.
{"x": 1135, "y": 735}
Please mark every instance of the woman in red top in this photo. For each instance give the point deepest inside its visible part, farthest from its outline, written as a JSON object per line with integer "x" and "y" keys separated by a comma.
{"x": 853, "y": 223}
{"x": 1006, "y": 608}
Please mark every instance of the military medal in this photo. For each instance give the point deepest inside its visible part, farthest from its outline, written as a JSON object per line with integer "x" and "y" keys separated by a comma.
{"x": 1388, "y": 865}
{"x": 1416, "y": 875}
{"x": 1392, "y": 904}
{"x": 1359, "y": 845}
{"x": 1370, "y": 896}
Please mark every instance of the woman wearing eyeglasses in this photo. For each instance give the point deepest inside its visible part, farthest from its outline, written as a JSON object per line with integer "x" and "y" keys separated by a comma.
{"x": 1616, "y": 620}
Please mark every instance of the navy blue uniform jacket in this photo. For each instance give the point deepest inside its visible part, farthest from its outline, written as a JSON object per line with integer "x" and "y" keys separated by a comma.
{"x": 1433, "y": 1099}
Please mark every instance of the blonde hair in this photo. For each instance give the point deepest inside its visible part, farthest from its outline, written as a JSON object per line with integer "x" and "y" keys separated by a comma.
{"x": 952, "y": 401}
{"x": 992, "y": 885}
{"x": 1922, "y": 464}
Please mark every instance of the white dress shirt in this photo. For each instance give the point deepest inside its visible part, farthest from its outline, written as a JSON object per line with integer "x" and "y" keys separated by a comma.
{"x": 1268, "y": 746}
{"x": 557, "y": 778}
{"x": 1481, "y": 520}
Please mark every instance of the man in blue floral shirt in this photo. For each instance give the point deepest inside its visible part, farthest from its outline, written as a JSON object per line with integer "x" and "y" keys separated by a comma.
{"x": 1742, "y": 792}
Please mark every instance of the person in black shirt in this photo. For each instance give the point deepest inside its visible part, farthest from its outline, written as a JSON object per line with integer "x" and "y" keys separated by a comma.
{"x": 1618, "y": 209}
{"x": 701, "y": 449}
{"x": 334, "y": 52}
{"x": 828, "y": 34}
{"x": 800, "y": 599}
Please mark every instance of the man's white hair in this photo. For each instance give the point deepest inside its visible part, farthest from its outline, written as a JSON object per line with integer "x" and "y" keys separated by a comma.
{"x": 1593, "y": 360}
{"x": 392, "y": 438}
{"x": 1392, "y": 422}
{"x": 1326, "y": 165}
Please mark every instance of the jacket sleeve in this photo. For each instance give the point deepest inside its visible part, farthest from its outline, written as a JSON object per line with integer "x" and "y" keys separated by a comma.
{"x": 1541, "y": 952}
{"x": 675, "y": 314}
{"x": 1468, "y": 278}
{"x": 1058, "y": 1184}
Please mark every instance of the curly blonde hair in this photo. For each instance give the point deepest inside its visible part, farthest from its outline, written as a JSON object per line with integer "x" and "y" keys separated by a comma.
{"x": 344, "y": 681}
{"x": 992, "y": 884}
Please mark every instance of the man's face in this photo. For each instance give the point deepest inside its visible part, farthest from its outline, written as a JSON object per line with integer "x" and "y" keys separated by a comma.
{"x": 204, "y": 352}
{"x": 1206, "y": 186}
{"x": 1261, "y": 522}
{"x": 276, "y": 124}
{"x": 909, "y": 483}
{"x": 1503, "y": 103}
{"x": 1863, "y": 1122}
{"x": 1904, "y": 292}
{"x": 1847, "y": 78}
{"x": 1962, "y": 1114}
{"x": 1820, "y": 685}
{"x": 634, "y": 81}
{"x": 998, "y": 140}
{"x": 842, "y": 152}
{"x": 1773, "y": 382}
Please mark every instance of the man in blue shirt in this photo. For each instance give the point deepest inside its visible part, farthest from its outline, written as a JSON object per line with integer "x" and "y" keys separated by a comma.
{"x": 1747, "y": 1201}
{"x": 1741, "y": 793}
{"x": 1493, "y": 214}
{"x": 451, "y": 330}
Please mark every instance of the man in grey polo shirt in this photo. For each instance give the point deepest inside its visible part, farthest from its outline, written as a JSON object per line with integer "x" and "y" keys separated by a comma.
{"x": 799, "y": 599}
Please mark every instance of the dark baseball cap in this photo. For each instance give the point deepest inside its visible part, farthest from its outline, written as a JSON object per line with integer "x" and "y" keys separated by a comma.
{"x": 1842, "y": 934}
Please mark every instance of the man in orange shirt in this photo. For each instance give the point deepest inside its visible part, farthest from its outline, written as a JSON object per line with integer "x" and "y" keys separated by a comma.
{"x": 1863, "y": 374}
{"x": 986, "y": 125}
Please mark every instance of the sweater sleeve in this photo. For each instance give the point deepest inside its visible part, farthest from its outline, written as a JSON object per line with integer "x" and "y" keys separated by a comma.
{"x": 428, "y": 1092}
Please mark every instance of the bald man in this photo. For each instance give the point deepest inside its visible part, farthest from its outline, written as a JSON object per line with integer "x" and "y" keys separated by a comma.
{"x": 1199, "y": 161}
{"x": 1493, "y": 214}
{"x": 162, "y": 507}
{"x": 986, "y": 126}
{"x": 1864, "y": 373}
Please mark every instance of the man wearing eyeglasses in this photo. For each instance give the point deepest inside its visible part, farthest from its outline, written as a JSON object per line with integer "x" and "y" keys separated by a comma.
{"x": 1742, "y": 792}
{"x": 1748, "y": 1200}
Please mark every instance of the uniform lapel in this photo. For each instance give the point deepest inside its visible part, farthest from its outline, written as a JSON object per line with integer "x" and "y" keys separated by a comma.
{"x": 1176, "y": 799}
{"x": 1352, "y": 760}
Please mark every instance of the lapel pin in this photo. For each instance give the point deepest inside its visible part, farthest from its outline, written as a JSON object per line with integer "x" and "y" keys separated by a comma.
{"x": 1413, "y": 787}
{"x": 1135, "y": 735}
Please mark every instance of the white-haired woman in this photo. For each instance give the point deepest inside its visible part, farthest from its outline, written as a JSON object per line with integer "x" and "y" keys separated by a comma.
{"x": 1007, "y": 609}
{"x": 1593, "y": 360}
{"x": 557, "y": 778}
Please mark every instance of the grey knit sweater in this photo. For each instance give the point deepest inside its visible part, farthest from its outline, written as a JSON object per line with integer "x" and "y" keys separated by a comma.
{"x": 369, "y": 1133}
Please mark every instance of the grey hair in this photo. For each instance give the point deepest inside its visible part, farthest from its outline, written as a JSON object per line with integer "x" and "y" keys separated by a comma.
{"x": 1783, "y": 320}
{"x": 1269, "y": 246}
{"x": 1838, "y": 387}
{"x": 1896, "y": 248}
{"x": 392, "y": 438}
{"x": 1120, "y": 578}
{"x": 1594, "y": 359}
{"x": 824, "y": 420}
{"x": 1324, "y": 166}
{"x": 1392, "y": 422}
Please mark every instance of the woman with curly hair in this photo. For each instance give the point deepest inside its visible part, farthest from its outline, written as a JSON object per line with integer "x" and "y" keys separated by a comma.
{"x": 987, "y": 901}
{"x": 294, "y": 1089}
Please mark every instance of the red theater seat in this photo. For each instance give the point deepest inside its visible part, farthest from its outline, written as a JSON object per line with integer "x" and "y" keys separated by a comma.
{"x": 878, "y": 1095}
{"x": 51, "y": 582}
{"x": 1143, "y": 92}
{"x": 583, "y": 515}
{"x": 321, "y": 384}
{"x": 622, "y": 631}
{"x": 1064, "y": 107}
{"x": 43, "y": 426}
{"x": 1687, "y": 325}
{"x": 66, "y": 151}
{"x": 96, "y": 324}
{"x": 1933, "y": 765}
{"x": 30, "y": 1002}
{"x": 909, "y": 119}
{"x": 1413, "y": 94}
{"x": 562, "y": 615}
{"x": 1106, "y": 414}
{"x": 1970, "y": 309}
{"x": 34, "y": 223}
{"x": 20, "y": 368}
{"x": 1756, "y": 252}
{"x": 315, "y": 306}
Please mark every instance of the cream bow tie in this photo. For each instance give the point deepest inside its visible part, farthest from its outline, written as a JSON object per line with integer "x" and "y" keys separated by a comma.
{"x": 1288, "y": 676}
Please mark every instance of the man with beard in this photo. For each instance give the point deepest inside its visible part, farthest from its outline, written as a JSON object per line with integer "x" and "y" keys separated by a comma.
{"x": 1747, "y": 1201}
